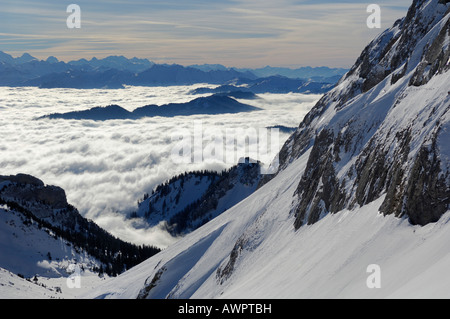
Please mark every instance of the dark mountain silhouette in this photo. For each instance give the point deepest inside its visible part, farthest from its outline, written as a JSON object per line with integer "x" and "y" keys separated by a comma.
{"x": 214, "y": 104}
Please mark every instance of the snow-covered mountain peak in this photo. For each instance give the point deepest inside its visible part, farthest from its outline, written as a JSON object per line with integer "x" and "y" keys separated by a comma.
{"x": 364, "y": 180}
{"x": 370, "y": 134}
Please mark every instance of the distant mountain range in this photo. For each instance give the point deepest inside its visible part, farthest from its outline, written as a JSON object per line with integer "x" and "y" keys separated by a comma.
{"x": 117, "y": 71}
{"x": 310, "y": 73}
{"x": 247, "y": 89}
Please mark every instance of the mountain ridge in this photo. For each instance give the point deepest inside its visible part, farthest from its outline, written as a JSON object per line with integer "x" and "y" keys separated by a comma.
{"x": 378, "y": 70}
{"x": 188, "y": 201}
{"x": 114, "y": 72}
{"x": 214, "y": 104}
{"x": 53, "y": 234}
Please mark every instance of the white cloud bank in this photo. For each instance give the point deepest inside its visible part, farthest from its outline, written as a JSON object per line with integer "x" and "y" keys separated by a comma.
{"x": 106, "y": 167}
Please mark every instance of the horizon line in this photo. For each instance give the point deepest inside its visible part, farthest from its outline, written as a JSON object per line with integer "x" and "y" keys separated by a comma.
{"x": 67, "y": 61}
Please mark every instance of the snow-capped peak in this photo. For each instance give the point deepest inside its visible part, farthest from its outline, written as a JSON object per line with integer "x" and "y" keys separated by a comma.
{"x": 378, "y": 142}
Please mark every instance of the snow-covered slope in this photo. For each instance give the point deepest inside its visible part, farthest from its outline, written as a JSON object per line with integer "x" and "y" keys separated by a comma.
{"x": 252, "y": 251}
{"x": 195, "y": 259}
{"x": 364, "y": 180}
{"x": 42, "y": 237}
{"x": 15, "y": 287}
{"x": 35, "y": 263}
{"x": 28, "y": 249}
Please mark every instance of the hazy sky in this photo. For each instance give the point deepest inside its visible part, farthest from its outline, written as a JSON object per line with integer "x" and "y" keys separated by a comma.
{"x": 240, "y": 33}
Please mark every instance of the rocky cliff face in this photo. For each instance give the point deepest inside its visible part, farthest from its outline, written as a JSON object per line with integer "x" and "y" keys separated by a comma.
{"x": 31, "y": 192}
{"x": 384, "y": 129}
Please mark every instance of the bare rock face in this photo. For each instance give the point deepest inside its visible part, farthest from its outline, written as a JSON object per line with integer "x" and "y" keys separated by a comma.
{"x": 53, "y": 196}
{"x": 435, "y": 58}
{"x": 30, "y": 190}
{"x": 318, "y": 190}
{"x": 23, "y": 179}
{"x": 427, "y": 193}
{"x": 225, "y": 272}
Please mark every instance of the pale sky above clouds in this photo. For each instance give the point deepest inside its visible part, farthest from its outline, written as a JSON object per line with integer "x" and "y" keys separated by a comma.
{"x": 240, "y": 33}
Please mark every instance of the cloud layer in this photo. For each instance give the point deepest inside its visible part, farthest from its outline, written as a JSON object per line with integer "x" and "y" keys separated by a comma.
{"x": 106, "y": 167}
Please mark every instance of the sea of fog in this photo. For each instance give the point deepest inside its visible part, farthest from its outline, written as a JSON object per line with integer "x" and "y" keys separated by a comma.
{"x": 105, "y": 167}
